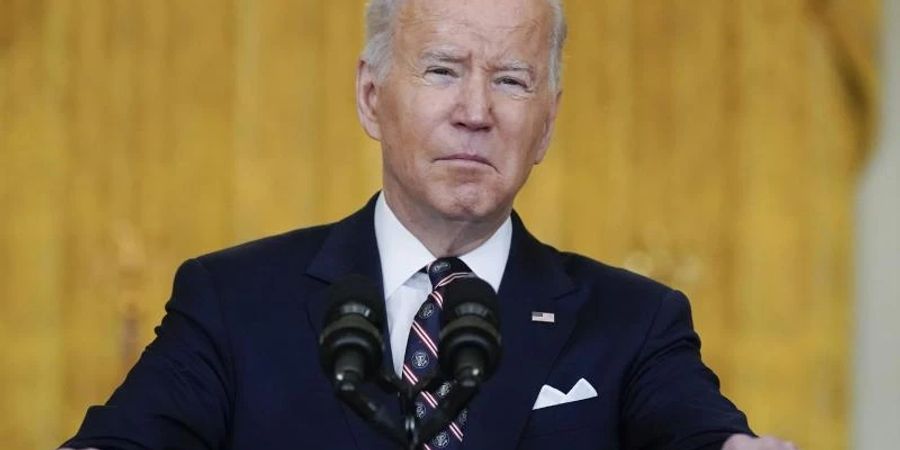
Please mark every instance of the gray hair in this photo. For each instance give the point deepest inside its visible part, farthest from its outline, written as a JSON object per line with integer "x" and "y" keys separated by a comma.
{"x": 380, "y": 15}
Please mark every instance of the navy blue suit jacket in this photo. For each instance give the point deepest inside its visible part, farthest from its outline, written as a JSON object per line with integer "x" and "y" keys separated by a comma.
{"x": 234, "y": 363}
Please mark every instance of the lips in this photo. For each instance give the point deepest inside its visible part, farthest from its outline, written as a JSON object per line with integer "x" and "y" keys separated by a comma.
{"x": 466, "y": 157}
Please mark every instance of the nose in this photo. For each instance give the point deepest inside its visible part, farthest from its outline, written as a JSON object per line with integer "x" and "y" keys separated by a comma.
{"x": 474, "y": 110}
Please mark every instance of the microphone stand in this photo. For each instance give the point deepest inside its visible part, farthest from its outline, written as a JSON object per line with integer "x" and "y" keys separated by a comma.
{"x": 463, "y": 389}
{"x": 413, "y": 433}
{"x": 347, "y": 389}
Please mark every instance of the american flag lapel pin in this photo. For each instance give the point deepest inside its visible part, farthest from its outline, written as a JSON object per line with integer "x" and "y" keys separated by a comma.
{"x": 543, "y": 317}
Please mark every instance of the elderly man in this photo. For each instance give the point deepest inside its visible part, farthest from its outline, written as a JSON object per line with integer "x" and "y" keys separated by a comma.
{"x": 462, "y": 96}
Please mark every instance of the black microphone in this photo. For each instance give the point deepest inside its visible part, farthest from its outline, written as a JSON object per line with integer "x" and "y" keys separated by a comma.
{"x": 351, "y": 345}
{"x": 469, "y": 346}
{"x": 351, "y": 348}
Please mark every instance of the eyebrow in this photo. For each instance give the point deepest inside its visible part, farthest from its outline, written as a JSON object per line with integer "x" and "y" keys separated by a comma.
{"x": 450, "y": 56}
{"x": 515, "y": 66}
{"x": 443, "y": 55}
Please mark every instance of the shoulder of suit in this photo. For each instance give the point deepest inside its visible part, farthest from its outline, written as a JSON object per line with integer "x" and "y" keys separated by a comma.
{"x": 609, "y": 282}
{"x": 292, "y": 248}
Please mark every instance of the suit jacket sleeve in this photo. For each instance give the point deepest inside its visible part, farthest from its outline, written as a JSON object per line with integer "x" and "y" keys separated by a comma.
{"x": 672, "y": 400}
{"x": 178, "y": 394}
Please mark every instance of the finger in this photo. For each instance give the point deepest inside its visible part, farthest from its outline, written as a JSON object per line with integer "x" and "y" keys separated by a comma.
{"x": 774, "y": 443}
{"x": 738, "y": 441}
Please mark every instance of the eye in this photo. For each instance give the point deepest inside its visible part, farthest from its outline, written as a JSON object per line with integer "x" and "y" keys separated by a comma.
{"x": 513, "y": 82}
{"x": 440, "y": 71}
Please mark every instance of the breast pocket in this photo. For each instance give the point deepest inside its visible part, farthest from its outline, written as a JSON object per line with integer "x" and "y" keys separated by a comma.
{"x": 568, "y": 417}
{"x": 583, "y": 425}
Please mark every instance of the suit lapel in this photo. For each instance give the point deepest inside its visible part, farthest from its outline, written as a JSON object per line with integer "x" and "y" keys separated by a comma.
{"x": 533, "y": 281}
{"x": 351, "y": 248}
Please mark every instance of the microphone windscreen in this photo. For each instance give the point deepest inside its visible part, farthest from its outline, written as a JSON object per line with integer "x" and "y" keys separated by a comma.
{"x": 469, "y": 290}
{"x": 355, "y": 289}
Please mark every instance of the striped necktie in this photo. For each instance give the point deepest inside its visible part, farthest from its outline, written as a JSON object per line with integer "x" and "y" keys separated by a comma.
{"x": 421, "y": 358}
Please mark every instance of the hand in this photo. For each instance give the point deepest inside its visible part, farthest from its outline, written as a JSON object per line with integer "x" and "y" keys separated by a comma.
{"x": 745, "y": 442}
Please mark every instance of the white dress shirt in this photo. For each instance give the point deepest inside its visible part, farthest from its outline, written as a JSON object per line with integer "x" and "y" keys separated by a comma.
{"x": 405, "y": 288}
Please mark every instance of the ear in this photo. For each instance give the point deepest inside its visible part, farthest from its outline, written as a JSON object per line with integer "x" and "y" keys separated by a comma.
{"x": 367, "y": 100}
{"x": 548, "y": 129}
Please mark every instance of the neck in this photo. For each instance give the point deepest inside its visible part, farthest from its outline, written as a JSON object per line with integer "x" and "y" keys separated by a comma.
{"x": 440, "y": 235}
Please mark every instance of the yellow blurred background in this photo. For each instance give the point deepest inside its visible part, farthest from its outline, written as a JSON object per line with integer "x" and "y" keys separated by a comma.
{"x": 714, "y": 145}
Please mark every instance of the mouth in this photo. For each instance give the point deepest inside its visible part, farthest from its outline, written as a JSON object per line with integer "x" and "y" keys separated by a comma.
{"x": 466, "y": 158}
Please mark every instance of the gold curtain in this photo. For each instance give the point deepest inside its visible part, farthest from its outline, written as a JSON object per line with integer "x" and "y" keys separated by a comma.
{"x": 711, "y": 144}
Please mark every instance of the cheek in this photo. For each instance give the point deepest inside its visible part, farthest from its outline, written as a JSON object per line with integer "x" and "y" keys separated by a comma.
{"x": 520, "y": 135}
{"x": 424, "y": 112}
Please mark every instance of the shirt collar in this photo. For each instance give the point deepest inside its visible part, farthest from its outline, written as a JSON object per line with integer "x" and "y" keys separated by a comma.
{"x": 402, "y": 254}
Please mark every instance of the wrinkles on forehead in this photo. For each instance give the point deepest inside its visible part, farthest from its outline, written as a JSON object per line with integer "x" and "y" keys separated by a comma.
{"x": 504, "y": 34}
{"x": 449, "y": 54}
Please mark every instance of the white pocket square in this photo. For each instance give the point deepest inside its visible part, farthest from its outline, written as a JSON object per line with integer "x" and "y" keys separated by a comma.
{"x": 550, "y": 396}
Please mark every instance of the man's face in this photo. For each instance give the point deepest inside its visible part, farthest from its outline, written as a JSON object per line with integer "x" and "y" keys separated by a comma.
{"x": 466, "y": 109}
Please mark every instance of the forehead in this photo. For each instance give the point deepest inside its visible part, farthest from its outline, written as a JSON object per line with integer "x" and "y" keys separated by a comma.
{"x": 521, "y": 27}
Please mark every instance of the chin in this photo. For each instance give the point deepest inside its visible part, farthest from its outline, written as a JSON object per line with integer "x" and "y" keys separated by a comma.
{"x": 472, "y": 203}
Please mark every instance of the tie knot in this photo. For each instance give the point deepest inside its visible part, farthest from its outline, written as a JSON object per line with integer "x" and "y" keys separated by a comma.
{"x": 443, "y": 270}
